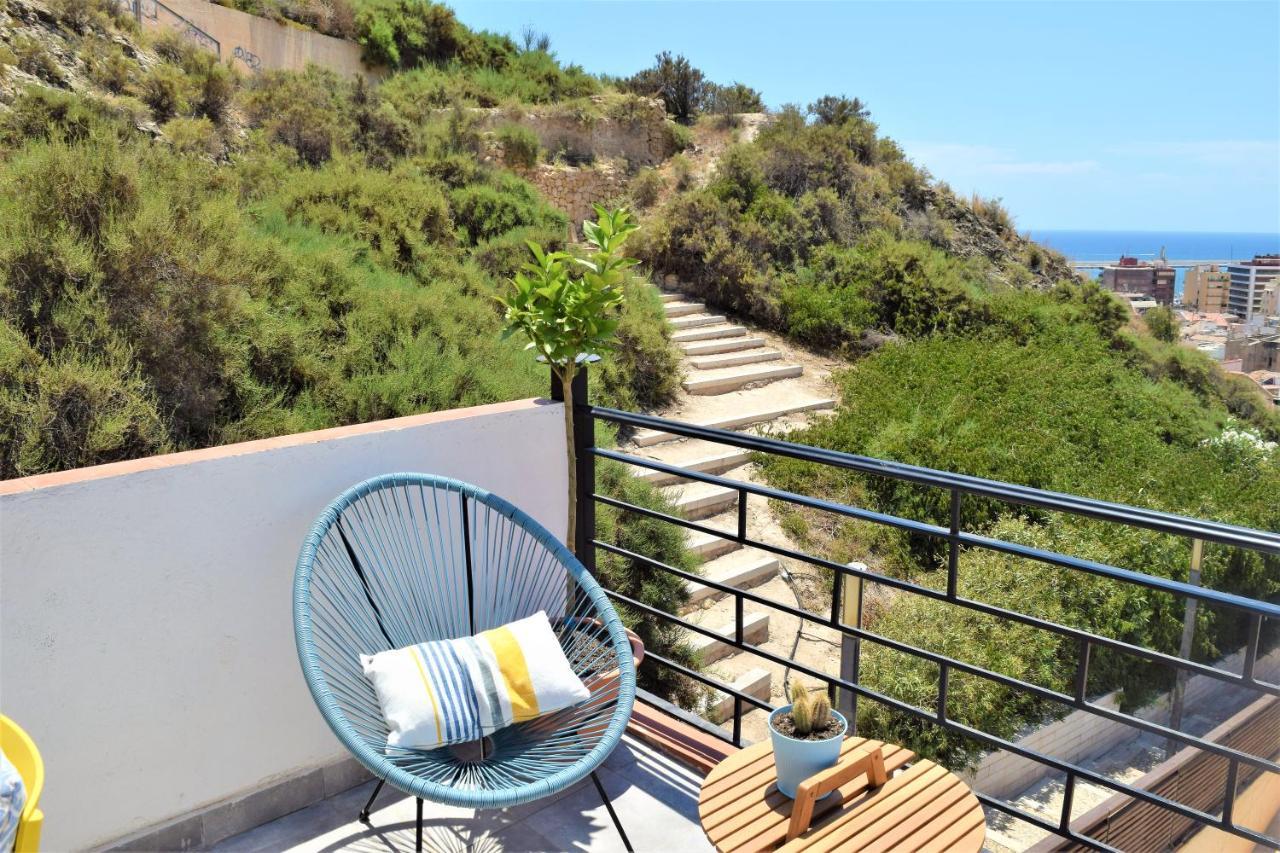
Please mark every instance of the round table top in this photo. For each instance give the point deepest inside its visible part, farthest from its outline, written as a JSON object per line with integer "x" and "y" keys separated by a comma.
{"x": 922, "y": 807}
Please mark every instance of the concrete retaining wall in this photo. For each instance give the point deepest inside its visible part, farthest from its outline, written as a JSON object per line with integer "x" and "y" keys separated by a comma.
{"x": 146, "y": 629}
{"x": 250, "y": 43}
{"x": 641, "y": 138}
{"x": 1081, "y": 735}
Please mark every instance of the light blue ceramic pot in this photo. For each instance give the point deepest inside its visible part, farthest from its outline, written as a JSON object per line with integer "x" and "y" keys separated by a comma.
{"x": 797, "y": 760}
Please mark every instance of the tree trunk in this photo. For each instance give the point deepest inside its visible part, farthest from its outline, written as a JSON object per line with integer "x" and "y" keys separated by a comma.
{"x": 566, "y": 382}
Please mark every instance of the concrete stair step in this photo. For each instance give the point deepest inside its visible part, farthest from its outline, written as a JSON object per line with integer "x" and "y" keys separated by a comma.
{"x": 734, "y": 359}
{"x": 671, "y": 297}
{"x": 683, "y": 309}
{"x": 755, "y": 630}
{"x": 707, "y": 333}
{"x": 727, "y": 345}
{"x": 736, "y": 572}
{"x": 648, "y": 438}
{"x": 754, "y": 682}
{"x": 716, "y": 464}
{"x": 731, "y": 379}
{"x": 694, "y": 321}
{"x": 700, "y": 500}
{"x": 707, "y": 546}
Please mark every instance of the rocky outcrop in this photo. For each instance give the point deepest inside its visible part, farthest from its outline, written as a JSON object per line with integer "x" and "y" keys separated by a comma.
{"x": 970, "y": 235}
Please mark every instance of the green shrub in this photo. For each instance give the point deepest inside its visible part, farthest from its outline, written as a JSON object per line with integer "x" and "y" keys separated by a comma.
{"x": 168, "y": 91}
{"x": 172, "y": 46}
{"x": 520, "y": 147}
{"x": 502, "y": 255}
{"x": 407, "y": 33}
{"x": 645, "y": 187}
{"x": 679, "y": 137}
{"x": 643, "y": 372}
{"x": 302, "y": 111}
{"x": 398, "y": 214}
{"x": 681, "y": 172}
{"x": 484, "y": 211}
{"x": 193, "y": 136}
{"x": 108, "y": 67}
{"x": 40, "y": 113}
{"x": 683, "y": 88}
{"x": 217, "y": 87}
{"x": 1162, "y": 323}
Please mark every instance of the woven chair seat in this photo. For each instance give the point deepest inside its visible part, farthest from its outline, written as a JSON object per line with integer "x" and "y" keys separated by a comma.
{"x": 409, "y": 558}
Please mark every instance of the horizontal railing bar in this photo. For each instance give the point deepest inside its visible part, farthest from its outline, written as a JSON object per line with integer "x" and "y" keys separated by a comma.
{"x": 1179, "y": 588}
{"x": 1154, "y": 582}
{"x": 1067, "y": 700}
{"x": 906, "y": 586}
{"x": 1226, "y": 534}
{"x": 707, "y": 680}
{"x": 1009, "y": 746}
{"x": 907, "y": 524}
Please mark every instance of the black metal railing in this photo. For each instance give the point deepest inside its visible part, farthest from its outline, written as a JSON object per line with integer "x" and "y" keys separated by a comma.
{"x": 955, "y": 537}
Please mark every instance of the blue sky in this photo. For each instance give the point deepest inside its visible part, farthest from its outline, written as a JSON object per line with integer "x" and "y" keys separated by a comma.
{"x": 1138, "y": 115}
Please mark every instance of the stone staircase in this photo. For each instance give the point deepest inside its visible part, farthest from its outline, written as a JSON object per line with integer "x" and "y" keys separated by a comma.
{"x": 736, "y": 378}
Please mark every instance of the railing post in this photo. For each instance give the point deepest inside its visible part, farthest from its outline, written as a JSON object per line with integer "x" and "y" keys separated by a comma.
{"x": 1184, "y": 648}
{"x": 584, "y": 435}
{"x": 850, "y": 647}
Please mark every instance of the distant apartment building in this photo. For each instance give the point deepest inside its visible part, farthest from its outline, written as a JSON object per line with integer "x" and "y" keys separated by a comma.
{"x": 1205, "y": 289}
{"x": 1130, "y": 275}
{"x": 1251, "y": 292}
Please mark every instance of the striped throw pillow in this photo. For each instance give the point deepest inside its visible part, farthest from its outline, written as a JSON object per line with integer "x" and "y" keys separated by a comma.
{"x": 453, "y": 691}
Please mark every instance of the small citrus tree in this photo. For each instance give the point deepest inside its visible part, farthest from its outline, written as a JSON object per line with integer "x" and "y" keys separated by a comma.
{"x": 567, "y": 306}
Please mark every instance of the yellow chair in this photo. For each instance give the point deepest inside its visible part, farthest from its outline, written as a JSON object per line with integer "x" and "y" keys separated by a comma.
{"x": 21, "y": 750}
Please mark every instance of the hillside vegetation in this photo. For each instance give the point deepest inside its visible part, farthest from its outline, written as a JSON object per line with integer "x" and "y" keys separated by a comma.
{"x": 972, "y": 349}
{"x": 189, "y": 258}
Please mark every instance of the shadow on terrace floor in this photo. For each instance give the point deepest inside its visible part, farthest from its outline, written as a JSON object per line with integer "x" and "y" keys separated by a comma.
{"x": 655, "y": 797}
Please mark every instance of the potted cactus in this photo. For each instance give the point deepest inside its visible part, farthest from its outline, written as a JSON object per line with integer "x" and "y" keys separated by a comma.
{"x": 806, "y": 737}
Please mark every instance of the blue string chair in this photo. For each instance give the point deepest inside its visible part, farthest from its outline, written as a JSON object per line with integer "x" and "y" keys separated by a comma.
{"x": 407, "y": 558}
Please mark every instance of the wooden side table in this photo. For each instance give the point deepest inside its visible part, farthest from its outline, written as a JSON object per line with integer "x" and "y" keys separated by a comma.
{"x": 924, "y": 807}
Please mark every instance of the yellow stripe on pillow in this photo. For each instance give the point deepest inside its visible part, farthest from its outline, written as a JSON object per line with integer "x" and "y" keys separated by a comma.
{"x": 515, "y": 672}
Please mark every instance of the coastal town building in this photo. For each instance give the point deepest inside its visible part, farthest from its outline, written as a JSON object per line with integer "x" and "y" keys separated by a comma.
{"x": 1139, "y": 303}
{"x": 1250, "y": 294}
{"x": 1129, "y": 275}
{"x": 1256, "y": 352}
{"x": 1205, "y": 289}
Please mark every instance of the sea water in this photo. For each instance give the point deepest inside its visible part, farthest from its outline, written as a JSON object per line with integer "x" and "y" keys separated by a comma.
{"x": 1108, "y": 246}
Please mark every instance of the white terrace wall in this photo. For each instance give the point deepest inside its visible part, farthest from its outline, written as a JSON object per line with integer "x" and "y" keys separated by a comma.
{"x": 250, "y": 43}
{"x": 1081, "y": 735}
{"x": 146, "y": 637}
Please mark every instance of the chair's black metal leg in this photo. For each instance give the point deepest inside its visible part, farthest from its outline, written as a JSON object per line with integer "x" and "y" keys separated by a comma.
{"x": 364, "y": 812}
{"x": 418, "y": 843}
{"x": 626, "y": 842}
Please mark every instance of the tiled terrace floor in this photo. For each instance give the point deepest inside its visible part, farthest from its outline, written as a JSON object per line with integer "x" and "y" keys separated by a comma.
{"x": 655, "y": 797}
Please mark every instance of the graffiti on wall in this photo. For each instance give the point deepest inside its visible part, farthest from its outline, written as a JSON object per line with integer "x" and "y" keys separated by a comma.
{"x": 248, "y": 57}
